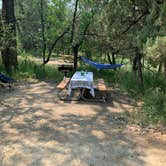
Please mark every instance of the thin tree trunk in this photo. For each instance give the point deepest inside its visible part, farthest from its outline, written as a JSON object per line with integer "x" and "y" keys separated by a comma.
{"x": 160, "y": 67}
{"x": 140, "y": 76}
{"x": 75, "y": 52}
{"x": 54, "y": 44}
{"x": 165, "y": 67}
{"x": 105, "y": 57}
{"x": 43, "y": 31}
{"x": 74, "y": 21}
{"x": 46, "y": 59}
{"x": 122, "y": 60}
{"x": 113, "y": 58}
{"x": 134, "y": 66}
{"x": 109, "y": 58}
{"x": 76, "y": 46}
{"x": 143, "y": 63}
{"x": 137, "y": 67}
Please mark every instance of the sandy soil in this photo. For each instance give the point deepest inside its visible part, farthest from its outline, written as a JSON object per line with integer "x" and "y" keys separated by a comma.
{"x": 36, "y": 129}
{"x": 63, "y": 59}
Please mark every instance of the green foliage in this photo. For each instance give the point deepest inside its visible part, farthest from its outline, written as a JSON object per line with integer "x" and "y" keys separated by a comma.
{"x": 6, "y": 35}
{"x": 156, "y": 50}
{"x": 155, "y": 98}
{"x": 28, "y": 24}
{"x": 155, "y": 105}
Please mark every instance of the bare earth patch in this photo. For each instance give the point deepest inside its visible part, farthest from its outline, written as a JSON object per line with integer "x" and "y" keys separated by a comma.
{"x": 63, "y": 59}
{"x": 36, "y": 129}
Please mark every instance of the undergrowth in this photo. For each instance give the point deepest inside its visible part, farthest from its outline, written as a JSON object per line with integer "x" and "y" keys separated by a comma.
{"x": 30, "y": 69}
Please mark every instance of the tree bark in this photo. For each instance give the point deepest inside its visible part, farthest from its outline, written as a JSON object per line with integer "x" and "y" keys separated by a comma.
{"x": 76, "y": 45}
{"x": 74, "y": 21}
{"x": 160, "y": 67}
{"x": 75, "y": 52}
{"x": 137, "y": 67}
{"x": 165, "y": 67}
{"x": 54, "y": 44}
{"x": 140, "y": 76}
{"x": 9, "y": 53}
{"x": 122, "y": 60}
{"x": 43, "y": 31}
{"x": 113, "y": 58}
{"x": 109, "y": 58}
{"x": 134, "y": 66}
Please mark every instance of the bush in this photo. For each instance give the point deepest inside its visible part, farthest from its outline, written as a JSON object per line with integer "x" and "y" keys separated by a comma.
{"x": 155, "y": 105}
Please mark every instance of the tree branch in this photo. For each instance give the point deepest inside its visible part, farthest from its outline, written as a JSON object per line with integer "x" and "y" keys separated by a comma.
{"x": 133, "y": 23}
{"x": 54, "y": 44}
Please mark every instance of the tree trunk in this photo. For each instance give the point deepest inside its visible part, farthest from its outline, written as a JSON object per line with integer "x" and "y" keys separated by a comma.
{"x": 53, "y": 45}
{"x": 137, "y": 67}
{"x": 43, "y": 31}
{"x": 140, "y": 76}
{"x": 160, "y": 67}
{"x": 75, "y": 53}
{"x": 122, "y": 60}
{"x": 143, "y": 63}
{"x": 165, "y": 67}
{"x": 113, "y": 58}
{"x": 109, "y": 58}
{"x": 134, "y": 67}
{"x": 74, "y": 21}
{"x": 9, "y": 53}
{"x": 76, "y": 45}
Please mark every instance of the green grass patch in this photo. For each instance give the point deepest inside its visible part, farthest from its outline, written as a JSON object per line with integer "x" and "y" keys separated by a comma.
{"x": 38, "y": 71}
{"x": 29, "y": 69}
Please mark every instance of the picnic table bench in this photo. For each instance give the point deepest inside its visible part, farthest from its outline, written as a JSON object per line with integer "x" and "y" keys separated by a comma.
{"x": 63, "y": 84}
{"x": 101, "y": 86}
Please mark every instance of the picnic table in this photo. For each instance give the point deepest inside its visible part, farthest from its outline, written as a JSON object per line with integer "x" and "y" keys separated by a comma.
{"x": 82, "y": 80}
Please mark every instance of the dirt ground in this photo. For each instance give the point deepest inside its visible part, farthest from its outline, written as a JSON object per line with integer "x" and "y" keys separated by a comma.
{"x": 37, "y": 129}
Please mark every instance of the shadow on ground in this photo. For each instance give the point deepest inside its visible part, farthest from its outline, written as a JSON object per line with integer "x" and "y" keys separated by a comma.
{"x": 38, "y": 129}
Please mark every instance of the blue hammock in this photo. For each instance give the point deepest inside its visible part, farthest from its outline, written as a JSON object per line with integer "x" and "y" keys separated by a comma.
{"x": 99, "y": 65}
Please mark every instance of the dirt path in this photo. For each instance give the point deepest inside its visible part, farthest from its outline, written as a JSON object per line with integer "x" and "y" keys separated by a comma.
{"x": 36, "y": 129}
